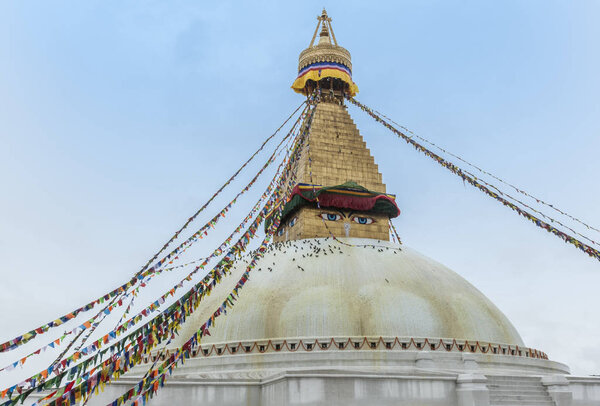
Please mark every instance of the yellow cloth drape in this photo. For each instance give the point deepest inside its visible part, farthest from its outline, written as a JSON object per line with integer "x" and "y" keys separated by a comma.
{"x": 317, "y": 75}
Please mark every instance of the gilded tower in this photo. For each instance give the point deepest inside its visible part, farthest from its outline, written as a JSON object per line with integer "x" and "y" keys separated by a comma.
{"x": 340, "y": 190}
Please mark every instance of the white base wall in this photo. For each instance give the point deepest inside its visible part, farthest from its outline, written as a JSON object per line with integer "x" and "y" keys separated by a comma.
{"x": 310, "y": 388}
{"x": 585, "y": 390}
{"x": 371, "y": 377}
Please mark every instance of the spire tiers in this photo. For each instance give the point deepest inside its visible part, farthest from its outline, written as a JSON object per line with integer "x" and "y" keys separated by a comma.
{"x": 325, "y": 65}
{"x": 336, "y": 169}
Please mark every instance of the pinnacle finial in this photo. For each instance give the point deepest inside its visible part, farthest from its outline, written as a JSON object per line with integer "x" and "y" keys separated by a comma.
{"x": 324, "y": 17}
{"x": 324, "y": 35}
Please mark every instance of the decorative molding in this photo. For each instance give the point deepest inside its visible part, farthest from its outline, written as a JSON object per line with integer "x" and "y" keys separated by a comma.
{"x": 324, "y": 53}
{"x": 360, "y": 344}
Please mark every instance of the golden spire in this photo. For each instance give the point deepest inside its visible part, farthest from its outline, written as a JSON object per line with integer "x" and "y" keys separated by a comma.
{"x": 340, "y": 190}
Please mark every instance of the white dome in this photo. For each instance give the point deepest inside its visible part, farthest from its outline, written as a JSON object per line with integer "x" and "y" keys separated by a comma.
{"x": 320, "y": 288}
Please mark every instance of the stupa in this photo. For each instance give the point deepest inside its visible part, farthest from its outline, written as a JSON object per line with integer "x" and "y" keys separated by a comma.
{"x": 354, "y": 319}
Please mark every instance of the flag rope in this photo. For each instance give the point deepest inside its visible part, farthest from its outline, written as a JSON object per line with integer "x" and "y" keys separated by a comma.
{"x": 156, "y": 270}
{"x": 519, "y": 190}
{"x": 26, "y": 337}
{"x": 473, "y": 182}
{"x": 176, "y": 312}
{"x": 195, "y": 339}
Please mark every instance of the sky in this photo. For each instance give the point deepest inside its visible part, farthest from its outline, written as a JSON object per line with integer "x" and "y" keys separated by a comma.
{"x": 118, "y": 120}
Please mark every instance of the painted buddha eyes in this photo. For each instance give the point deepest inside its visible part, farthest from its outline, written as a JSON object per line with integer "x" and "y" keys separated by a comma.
{"x": 362, "y": 220}
{"x": 291, "y": 224}
{"x": 355, "y": 218}
{"x": 331, "y": 216}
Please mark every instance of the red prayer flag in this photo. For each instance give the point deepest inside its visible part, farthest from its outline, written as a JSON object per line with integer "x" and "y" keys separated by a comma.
{"x": 69, "y": 386}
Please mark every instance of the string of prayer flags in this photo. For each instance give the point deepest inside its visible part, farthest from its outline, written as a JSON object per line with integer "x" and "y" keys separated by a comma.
{"x": 537, "y": 199}
{"x": 156, "y": 270}
{"x": 212, "y": 223}
{"x": 221, "y": 189}
{"x": 166, "y": 324}
{"x": 592, "y": 252}
{"x": 531, "y": 208}
{"x": 203, "y": 231}
{"x": 108, "y": 369}
{"x": 145, "y": 386}
{"x": 26, "y": 337}
{"x": 540, "y": 201}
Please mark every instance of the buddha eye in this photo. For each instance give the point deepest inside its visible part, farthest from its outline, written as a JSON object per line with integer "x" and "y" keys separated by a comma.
{"x": 293, "y": 222}
{"x": 330, "y": 216}
{"x": 362, "y": 220}
{"x": 280, "y": 232}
